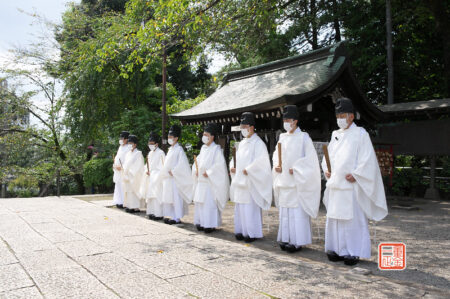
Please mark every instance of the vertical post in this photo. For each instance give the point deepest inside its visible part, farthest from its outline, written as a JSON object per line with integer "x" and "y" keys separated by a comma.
{"x": 390, "y": 57}
{"x": 432, "y": 171}
{"x": 163, "y": 101}
{"x": 58, "y": 183}
{"x": 432, "y": 192}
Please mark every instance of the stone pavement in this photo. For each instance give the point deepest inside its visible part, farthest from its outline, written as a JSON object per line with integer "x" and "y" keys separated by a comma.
{"x": 68, "y": 248}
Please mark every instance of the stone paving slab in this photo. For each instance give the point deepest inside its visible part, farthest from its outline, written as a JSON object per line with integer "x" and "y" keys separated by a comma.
{"x": 13, "y": 277}
{"x": 71, "y": 248}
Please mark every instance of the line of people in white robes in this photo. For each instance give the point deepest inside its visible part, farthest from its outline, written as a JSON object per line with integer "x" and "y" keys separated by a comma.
{"x": 166, "y": 184}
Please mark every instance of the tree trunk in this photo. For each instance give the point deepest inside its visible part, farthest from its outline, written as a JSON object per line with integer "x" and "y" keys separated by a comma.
{"x": 442, "y": 21}
{"x": 336, "y": 26}
{"x": 313, "y": 9}
{"x": 80, "y": 183}
{"x": 164, "y": 114}
{"x": 58, "y": 183}
{"x": 390, "y": 57}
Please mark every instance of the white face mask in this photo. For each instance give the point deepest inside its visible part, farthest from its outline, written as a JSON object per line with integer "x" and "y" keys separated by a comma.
{"x": 342, "y": 123}
{"x": 152, "y": 147}
{"x": 287, "y": 126}
{"x": 121, "y": 142}
{"x": 245, "y": 132}
{"x": 170, "y": 141}
{"x": 205, "y": 139}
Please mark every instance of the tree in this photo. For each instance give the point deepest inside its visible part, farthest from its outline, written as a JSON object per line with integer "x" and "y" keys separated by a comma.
{"x": 30, "y": 73}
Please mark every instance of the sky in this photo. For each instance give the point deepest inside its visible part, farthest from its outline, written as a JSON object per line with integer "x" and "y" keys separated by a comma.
{"x": 16, "y": 28}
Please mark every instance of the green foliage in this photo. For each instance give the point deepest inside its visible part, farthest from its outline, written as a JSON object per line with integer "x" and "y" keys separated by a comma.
{"x": 98, "y": 173}
{"x": 190, "y": 136}
{"x": 408, "y": 182}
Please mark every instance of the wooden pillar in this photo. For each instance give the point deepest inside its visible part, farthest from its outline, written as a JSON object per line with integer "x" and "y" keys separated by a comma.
{"x": 432, "y": 192}
{"x": 227, "y": 150}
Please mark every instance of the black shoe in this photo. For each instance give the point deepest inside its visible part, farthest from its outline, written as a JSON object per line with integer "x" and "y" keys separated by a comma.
{"x": 209, "y": 230}
{"x": 283, "y": 246}
{"x": 334, "y": 257}
{"x": 239, "y": 237}
{"x": 351, "y": 260}
{"x": 158, "y": 218}
{"x": 174, "y": 222}
{"x": 249, "y": 240}
{"x": 128, "y": 210}
{"x": 290, "y": 248}
{"x": 199, "y": 227}
{"x": 119, "y": 206}
{"x": 151, "y": 217}
{"x": 166, "y": 220}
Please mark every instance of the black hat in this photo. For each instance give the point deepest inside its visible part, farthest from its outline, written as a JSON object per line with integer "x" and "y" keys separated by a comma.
{"x": 248, "y": 118}
{"x": 344, "y": 105}
{"x": 153, "y": 137}
{"x": 175, "y": 131}
{"x": 132, "y": 139}
{"x": 124, "y": 134}
{"x": 211, "y": 128}
{"x": 290, "y": 111}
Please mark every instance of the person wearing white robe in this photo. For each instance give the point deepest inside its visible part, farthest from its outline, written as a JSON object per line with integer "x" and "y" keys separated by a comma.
{"x": 119, "y": 158}
{"x": 132, "y": 173}
{"x": 354, "y": 190}
{"x": 211, "y": 182}
{"x": 150, "y": 191}
{"x": 296, "y": 183}
{"x": 175, "y": 179}
{"x": 251, "y": 186}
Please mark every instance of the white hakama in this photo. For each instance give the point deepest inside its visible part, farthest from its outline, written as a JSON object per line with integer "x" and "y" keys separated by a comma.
{"x": 349, "y": 237}
{"x": 178, "y": 208}
{"x": 119, "y": 159}
{"x": 350, "y": 205}
{"x": 150, "y": 191}
{"x": 252, "y": 192}
{"x": 211, "y": 193}
{"x": 154, "y": 208}
{"x": 207, "y": 214}
{"x": 176, "y": 190}
{"x": 296, "y": 195}
{"x": 119, "y": 194}
{"x": 132, "y": 172}
{"x": 132, "y": 201}
{"x": 248, "y": 220}
{"x": 294, "y": 227}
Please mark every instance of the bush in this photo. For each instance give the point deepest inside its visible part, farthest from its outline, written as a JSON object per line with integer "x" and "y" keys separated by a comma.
{"x": 408, "y": 182}
{"x": 98, "y": 173}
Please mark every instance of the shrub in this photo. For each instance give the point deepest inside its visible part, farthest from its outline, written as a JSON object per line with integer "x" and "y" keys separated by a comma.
{"x": 98, "y": 173}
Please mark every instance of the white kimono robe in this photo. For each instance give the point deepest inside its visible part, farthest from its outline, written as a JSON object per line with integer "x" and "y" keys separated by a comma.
{"x": 251, "y": 192}
{"x": 119, "y": 159}
{"x": 149, "y": 191}
{"x": 132, "y": 173}
{"x": 210, "y": 193}
{"x": 177, "y": 189}
{"x": 297, "y": 195}
{"x": 349, "y": 205}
